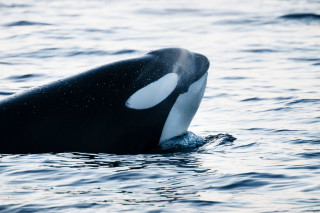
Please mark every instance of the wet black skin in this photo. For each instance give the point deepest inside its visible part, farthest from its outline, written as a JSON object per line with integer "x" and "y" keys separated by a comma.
{"x": 87, "y": 112}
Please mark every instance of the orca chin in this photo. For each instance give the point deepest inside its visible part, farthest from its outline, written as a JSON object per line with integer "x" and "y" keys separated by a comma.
{"x": 126, "y": 107}
{"x": 184, "y": 109}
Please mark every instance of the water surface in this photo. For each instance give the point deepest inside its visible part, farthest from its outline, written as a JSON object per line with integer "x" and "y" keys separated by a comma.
{"x": 263, "y": 89}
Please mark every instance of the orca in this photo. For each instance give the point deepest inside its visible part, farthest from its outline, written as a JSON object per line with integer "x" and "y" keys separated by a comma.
{"x": 126, "y": 107}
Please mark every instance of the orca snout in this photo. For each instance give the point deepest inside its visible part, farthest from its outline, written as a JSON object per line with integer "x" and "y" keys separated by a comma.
{"x": 202, "y": 62}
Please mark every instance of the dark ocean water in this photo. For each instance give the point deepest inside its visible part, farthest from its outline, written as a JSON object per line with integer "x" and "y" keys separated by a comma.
{"x": 263, "y": 89}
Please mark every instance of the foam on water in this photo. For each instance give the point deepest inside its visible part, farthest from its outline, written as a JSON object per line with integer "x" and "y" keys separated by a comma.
{"x": 186, "y": 142}
{"x": 190, "y": 142}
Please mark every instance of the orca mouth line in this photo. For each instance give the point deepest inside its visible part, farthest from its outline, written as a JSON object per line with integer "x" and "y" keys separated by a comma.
{"x": 201, "y": 73}
{"x": 201, "y": 79}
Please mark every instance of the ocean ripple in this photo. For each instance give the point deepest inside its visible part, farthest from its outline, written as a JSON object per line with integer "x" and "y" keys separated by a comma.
{"x": 299, "y": 16}
{"x": 25, "y": 23}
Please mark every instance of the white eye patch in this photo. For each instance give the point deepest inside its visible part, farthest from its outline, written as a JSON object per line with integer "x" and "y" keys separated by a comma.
{"x": 153, "y": 93}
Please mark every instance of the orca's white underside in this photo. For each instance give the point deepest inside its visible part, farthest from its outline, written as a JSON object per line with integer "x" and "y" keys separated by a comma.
{"x": 184, "y": 109}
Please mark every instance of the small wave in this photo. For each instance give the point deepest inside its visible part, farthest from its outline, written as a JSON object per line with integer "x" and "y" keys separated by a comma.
{"x": 304, "y": 101}
{"x": 307, "y": 141}
{"x": 101, "y": 52}
{"x": 272, "y": 130}
{"x": 253, "y": 99}
{"x": 13, "y": 5}
{"x": 286, "y": 130}
{"x": 260, "y": 51}
{"x": 199, "y": 203}
{"x": 24, "y": 77}
{"x": 257, "y": 129}
{"x": 263, "y": 175}
{"x": 6, "y": 93}
{"x": 175, "y": 12}
{"x": 306, "y": 167}
{"x": 299, "y": 16}
{"x": 120, "y": 52}
{"x": 234, "y": 78}
{"x": 5, "y": 63}
{"x": 92, "y": 52}
{"x": 93, "y": 30}
{"x": 246, "y": 146}
{"x": 306, "y": 59}
{"x": 59, "y": 52}
{"x": 220, "y": 138}
{"x": 82, "y": 160}
{"x": 248, "y": 183}
{"x": 281, "y": 98}
{"x": 278, "y": 109}
{"x": 237, "y": 22}
{"x": 191, "y": 142}
{"x": 25, "y": 23}
{"x": 310, "y": 155}
{"x": 263, "y": 99}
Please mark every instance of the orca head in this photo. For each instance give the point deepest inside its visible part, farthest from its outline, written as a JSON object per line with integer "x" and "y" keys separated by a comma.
{"x": 172, "y": 73}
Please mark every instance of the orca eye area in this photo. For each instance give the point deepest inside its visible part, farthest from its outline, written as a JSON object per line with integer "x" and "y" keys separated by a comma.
{"x": 154, "y": 93}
